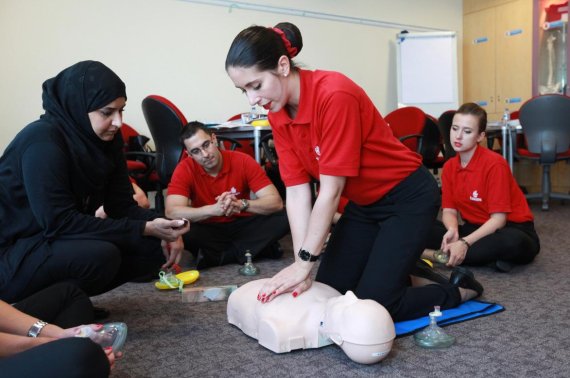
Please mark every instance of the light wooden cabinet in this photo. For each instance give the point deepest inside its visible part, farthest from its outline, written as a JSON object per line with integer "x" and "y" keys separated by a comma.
{"x": 497, "y": 54}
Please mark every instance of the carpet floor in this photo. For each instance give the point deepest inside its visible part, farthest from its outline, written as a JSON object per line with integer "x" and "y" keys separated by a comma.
{"x": 169, "y": 338}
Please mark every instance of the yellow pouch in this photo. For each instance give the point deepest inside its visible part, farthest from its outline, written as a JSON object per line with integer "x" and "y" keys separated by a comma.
{"x": 186, "y": 278}
{"x": 260, "y": 122}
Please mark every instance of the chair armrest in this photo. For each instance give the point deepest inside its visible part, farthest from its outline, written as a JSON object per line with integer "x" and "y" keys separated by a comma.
{"x": 270, "y": 153}
{"x": 234, "y": 143}
{"x": 142, "y": 154}
{"x": 419, "y": 137}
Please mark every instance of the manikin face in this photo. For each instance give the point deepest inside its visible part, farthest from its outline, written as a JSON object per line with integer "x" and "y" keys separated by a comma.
{"x": 203, "y": 148}
{"x": 107, "y": 120}
{"x": 464, "y": 134}
{"x": 268, "y": 89}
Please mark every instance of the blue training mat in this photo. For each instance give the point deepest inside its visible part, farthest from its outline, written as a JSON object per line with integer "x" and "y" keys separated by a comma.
{"x": 468, "y": 310}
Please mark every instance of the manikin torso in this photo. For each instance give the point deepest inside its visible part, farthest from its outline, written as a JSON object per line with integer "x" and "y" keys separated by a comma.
{"x": 318, "y": 317}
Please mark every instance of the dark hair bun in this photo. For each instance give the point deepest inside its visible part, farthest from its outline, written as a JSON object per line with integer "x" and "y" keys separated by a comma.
{"x": 293, "y": 34}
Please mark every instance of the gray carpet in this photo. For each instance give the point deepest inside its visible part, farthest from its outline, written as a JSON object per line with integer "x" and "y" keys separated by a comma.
{"x": 168, "y": 338}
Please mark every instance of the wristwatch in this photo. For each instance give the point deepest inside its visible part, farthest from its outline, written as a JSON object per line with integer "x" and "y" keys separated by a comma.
{"x": 244, "y": 204}
{"x": 307, "y": 256}
{"x": 36, "y": 328}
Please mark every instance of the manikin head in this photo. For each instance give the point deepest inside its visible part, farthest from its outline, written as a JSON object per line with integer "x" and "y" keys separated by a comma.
{"x": 362, "y": 328}
{"x": 320, "y": 316}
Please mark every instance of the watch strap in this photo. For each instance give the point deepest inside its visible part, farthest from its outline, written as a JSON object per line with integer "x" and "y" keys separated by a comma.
{"x": 307, "y": 256}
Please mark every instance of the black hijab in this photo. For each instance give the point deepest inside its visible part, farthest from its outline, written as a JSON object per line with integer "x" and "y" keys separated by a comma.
{"x": 67, "y": 100}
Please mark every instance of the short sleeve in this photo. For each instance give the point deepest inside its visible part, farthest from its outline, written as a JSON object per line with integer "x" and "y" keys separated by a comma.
{"x": 341, "y": 138}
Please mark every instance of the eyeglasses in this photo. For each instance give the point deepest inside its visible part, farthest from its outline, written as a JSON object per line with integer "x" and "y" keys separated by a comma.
{"x": 196, "y": 151}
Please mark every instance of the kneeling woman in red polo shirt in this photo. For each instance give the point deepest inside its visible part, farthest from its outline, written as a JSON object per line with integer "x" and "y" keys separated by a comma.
{"x": 477, "y": 185}
{"x": 326, "y": 128}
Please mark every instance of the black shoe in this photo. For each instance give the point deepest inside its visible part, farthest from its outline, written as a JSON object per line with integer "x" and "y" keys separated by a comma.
{"x": 464, "y": 278}
{"x": 503, "y": 266}
{"x": 423, "y": 270}
{"x": 100, "y": 313}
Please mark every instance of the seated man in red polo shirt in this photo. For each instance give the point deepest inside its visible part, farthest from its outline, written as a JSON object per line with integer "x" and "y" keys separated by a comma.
{"x": 212, "y": 189}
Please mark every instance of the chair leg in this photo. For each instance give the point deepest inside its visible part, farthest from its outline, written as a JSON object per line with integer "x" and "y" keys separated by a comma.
{"x": 545, "y": 186}
{"x": 159, "y": 202}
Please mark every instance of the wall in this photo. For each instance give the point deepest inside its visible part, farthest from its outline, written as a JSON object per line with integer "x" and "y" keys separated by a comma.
{"x": 177, "y": 49}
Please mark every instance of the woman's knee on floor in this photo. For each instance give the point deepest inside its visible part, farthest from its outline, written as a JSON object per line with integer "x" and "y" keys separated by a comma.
{"x": 103, "y": 260}
{"x": 83, "y": 358}
{"x": 92, "y": 264}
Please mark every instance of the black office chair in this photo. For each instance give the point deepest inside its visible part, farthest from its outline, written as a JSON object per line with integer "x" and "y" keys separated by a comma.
{"x": 165, "y": 121}
{"x": 227, "y": 143}
{"x": 270, "y": 161}
{"x": 269, "y": 152}
{"x": 545, "y": 121}
{"x": 140, "y": 158}
{"x": 432, "y": 148}
{"x": 445, "y": 121}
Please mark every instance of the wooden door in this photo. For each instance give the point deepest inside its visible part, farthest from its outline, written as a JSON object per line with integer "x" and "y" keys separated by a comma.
{"x": 513, "y": 54}
{"x": 479, "y": 58}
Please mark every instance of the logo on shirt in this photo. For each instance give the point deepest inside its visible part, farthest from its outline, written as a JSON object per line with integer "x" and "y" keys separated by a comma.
{"x": 234, "y": 191}
{"x": 318, "y": 152}
{"x": 475, "y": 196}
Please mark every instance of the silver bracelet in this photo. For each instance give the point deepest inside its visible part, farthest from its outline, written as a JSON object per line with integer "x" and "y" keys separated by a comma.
{"x": 36, "y": 328}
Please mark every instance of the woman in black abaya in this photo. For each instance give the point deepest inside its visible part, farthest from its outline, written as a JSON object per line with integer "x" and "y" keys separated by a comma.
{"x": 55, "y": 174}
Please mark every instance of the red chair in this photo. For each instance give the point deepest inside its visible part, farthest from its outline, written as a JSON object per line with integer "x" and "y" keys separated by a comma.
{"x": 545, "y": 121}
{"x": 165, "y": 121}
{"x": 419, "y": 132}
{"x": 407, "y": 125}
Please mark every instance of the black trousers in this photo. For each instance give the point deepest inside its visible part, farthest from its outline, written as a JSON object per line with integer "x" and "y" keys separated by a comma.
{"x": 95, "y": 266}
{"x": 516, "y": 242}
{"x": 71, "y": 357}
{"x": 373, "y": 249}
{"x": 62, "y": 304}
{"x": 228, "y": 242}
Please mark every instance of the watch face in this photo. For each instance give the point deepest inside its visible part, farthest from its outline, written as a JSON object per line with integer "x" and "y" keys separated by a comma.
{"x": 307, "y": 256}
{"x": 304, "y": 255}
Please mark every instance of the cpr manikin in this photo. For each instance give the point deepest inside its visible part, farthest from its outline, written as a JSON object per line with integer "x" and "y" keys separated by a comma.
{"x": 320, "y": 316}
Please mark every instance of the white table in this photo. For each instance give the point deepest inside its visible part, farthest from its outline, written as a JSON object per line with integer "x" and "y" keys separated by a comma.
{"x": 239, "y": 130}
{"x": 508, "y": 135}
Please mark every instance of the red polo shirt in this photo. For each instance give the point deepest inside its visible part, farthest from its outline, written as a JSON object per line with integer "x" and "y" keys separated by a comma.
{"x": 240, "y": 174}
{"x": 484, "y": 187}
{"x": 339, "y": 132}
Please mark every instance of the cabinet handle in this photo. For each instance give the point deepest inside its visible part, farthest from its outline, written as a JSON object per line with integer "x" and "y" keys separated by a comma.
{"x": 498, "y": 99}
{"x": 491, "y": 99}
